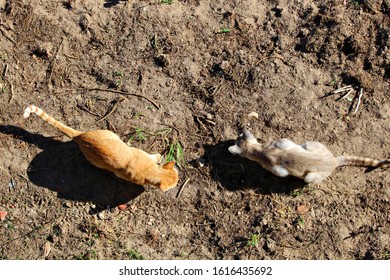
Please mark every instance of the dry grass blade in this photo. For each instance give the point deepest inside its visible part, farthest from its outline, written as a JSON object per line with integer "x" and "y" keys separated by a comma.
{"x": 359, "y": 100}
{"x": 6, "y": 35}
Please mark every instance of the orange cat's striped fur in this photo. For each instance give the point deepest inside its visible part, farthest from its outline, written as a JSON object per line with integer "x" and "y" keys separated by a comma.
{"x": 106, "y": 150}
{"x": 311, "y": 161}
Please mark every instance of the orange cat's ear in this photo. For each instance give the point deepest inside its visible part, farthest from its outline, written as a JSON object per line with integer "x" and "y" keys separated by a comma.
{"x": 169, "y": 165}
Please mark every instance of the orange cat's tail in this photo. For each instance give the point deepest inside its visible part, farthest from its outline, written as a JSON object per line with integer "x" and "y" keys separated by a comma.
{"x": 68, "y": 131}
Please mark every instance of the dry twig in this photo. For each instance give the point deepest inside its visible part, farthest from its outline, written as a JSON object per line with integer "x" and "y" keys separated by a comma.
{"x": 359, "y": 99}
{"x": 6, "y": 35}
{"x": 125, "y": 94}
{"x": 112, "y": 110}
{"x": 182, "y": 187}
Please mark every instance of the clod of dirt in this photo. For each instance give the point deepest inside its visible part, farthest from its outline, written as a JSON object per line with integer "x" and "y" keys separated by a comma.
{"x": 69, "y": 4}
{"x": 302, "y": 209}
{"x": 162, "y": 60}
{"x": 44, "y": 50}
{"x": 101, "y": 216}
{"x": 359, "y": 78}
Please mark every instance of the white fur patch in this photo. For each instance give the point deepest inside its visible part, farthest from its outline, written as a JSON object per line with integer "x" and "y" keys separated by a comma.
{"x": 31, "y": 109}
{"x": 313, "y": 178}
{"x": 252, "y": 140}
{"x": 155, "y": 157}
{"x": 235, "y": 150}
{"x": 280, "y": 171}
{"x": 284, "y": 144}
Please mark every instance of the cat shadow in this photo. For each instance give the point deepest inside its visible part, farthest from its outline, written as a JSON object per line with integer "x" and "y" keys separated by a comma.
{"x": 61, "y": 167}
{"x": 236, "y": 173}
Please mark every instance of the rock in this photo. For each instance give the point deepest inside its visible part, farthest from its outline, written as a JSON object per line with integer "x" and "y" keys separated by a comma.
{"x": 101, "y": 216}
{"x": 67, "y": 204}
{"x": 253, "y": 115}
{"x": 209, "y": 116}
{"x": 200, "y": 162}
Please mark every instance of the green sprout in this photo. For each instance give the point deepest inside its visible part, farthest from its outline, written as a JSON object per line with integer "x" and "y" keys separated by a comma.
{"x": 168, "y": 2}
{"x": 223, "y": 30}
{"x": 254, "y": 240}
{"x": 175, "y": 153}
{"x": 133, "y": 254}
{"x": 139, "y": 135}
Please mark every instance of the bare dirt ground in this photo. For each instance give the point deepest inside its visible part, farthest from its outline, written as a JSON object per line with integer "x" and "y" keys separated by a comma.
{"x": 202, "y": 66}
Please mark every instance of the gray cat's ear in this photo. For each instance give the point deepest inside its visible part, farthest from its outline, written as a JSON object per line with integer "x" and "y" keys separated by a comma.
{"x": 235, "y": 150}
{"x": 248, "y": 136}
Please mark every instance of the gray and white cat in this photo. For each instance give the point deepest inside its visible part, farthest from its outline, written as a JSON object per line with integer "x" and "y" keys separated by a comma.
{"x": 310, "y": 161}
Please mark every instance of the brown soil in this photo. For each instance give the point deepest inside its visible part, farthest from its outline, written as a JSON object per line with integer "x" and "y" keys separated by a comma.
{"x": 206, "y": 65}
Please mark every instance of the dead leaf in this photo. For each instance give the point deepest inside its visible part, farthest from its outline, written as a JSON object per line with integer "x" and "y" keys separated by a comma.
{"x": 302, "y": 209}
{"x": 46, "y": 249}
{"x": 2, "y": 215}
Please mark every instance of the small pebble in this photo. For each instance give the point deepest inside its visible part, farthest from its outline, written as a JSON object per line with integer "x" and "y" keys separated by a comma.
{"x": 101, "y": 216}
{"x": 253, "y": 115}
{"x": 201, "y": 162}
{"x": 67, "y": 204}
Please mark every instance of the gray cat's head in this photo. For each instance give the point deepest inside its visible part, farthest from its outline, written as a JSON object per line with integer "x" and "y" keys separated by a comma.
{"x": 242, "y": 141}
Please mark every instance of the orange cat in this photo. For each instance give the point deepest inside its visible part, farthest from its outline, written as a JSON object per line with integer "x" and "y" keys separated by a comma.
{"x": 106, "y": 150}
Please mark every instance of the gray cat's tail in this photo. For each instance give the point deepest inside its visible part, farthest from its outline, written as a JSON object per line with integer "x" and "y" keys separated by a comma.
{"x": 361, "y": 161}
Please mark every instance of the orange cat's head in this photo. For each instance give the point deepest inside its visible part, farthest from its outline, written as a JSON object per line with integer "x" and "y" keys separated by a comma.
{"x": 169, "y": 176}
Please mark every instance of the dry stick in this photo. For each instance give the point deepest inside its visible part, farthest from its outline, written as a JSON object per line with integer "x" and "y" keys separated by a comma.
{"x": 342, "y": 89}
{"x": 12, "y": 91}
{"x": 124, "y": 93}
{"x": 182, "y": 187}
{"x": 6, "y": 35}
{"x": 5, "y": 72}
{"x": 345, "y": 95}
{"x": 11, "y": 86}
{"x": 112, "y": 110}
{"x": 359, "y": 99}
{"x": 89, "y": 111}
{"x": 53, "y": 63}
